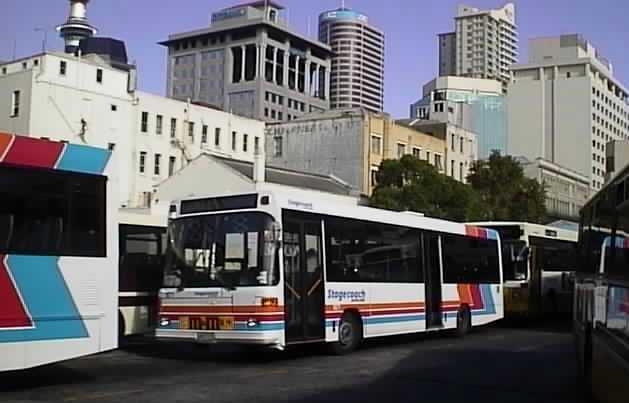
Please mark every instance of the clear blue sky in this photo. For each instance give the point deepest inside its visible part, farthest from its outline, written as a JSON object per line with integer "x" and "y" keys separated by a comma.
{"x": 410, "y": 27}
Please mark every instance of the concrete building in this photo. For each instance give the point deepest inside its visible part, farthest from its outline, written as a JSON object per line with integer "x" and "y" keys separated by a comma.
{"x": 461, "y": 145}
{"x": 566, "y": 190}
{"x": 616, "y": 157}
{"x": 249, "y": 62}
{"x": 474, "y": 104}
{"x": 358, "y": 60}
{"x": 349, "y": 144}
{"x": 483, "y": 45}
{"x": 92, "y": 99}
{"x": 565, "y": 104}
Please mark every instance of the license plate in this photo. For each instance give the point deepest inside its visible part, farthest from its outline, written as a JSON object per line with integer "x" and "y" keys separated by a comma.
{"x": 206, "y": 323}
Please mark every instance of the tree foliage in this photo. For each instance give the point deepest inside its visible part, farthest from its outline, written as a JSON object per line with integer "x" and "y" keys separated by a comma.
{"x": 413, "y": 184}
{"x": 507, "y": 193}
{"x": 498, "y": 190}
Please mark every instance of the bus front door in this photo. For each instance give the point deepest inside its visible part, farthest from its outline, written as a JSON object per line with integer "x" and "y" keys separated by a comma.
{"x": 432, "y": 264}
{"x": 303, "y": 281}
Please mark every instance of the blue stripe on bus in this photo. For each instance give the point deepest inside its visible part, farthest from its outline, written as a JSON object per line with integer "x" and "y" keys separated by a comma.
{"x": 47, "y": 299}
{"x": 86, "y": 159}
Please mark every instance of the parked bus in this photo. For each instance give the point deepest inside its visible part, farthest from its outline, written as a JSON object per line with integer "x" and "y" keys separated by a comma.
{"x": 601, "y": 310}
{"x": 142, "y": 245}
{"x": 539, "y": 264}
{"x": 284, "y": 266}
{"x": 58, "y": 252}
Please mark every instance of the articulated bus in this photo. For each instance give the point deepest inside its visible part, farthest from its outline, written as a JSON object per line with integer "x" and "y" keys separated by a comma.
{"x": 142, "y": 245}
{"x": 58, "y": 252}
{"x": 283, "y": 266}
{"x": 601, "y": 304}
{"x": 539, "y": 264}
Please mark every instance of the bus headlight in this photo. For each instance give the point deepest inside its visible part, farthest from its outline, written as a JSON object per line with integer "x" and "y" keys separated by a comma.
{"x": 252, "y": 323}
{"x": 164, "y": 322}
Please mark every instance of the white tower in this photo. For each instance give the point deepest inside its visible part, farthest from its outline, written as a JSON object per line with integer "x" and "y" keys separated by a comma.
{"x": 76, "y": 27}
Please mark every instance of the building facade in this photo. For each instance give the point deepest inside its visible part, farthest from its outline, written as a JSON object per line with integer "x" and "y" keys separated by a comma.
{"x": 461, "y": 145}
{"x": 616, "y": 157}
{"x": 483, "y": 45}
{"x": 250, "y": 63}
{"x": 566, "y": 190}
{"x": 357, "y": 72}
{"x": 86, "y": 100}
{"x": 473, "y": 104}
{"x": 565, "y": 104}
{"x": 349, "y": 144}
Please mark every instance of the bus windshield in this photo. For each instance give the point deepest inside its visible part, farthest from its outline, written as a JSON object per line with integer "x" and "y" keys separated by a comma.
{"x": 514, "y": 260}
{"x": 223, "y": 250}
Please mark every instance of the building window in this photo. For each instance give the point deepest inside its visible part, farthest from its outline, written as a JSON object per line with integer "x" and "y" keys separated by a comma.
{"x": 452, "y": 168}
{"x": 204, "y": 134}
{"x": 171, "y": 165}
{"x": 277, "y": 146}
{"x": 233, "y": 141}
{"x": 142, "y": 161}
{"x": 144, "y": 128}
{"x": 417, "y": 152}
{"x": 461, "y": 171}
{"x": 217, "y": 137}
{"x": 453, "y": 141}
{"x": 428, "y": 156}
{"x": 15, "y": 104}
{"x": 63, "y": 67}
{"x": 24, "y": 66}
{"x": 256, "y": 144}
{"x": 376, "y": 145}
{"x": 191, "y": 131}
{"x": 99, "y": 76}
{"x": 173, "y": 128}
{"x": 159, "y": 121}
{"x": 114, "y": 108}
{"x": 401, "y": 150}
{"x": 158, "y": 158}
{"x": 438, "y": 164}
{"x": 373, "y": 177}
{"x": 111, "y": 146}
{"x": 245, "y": 139}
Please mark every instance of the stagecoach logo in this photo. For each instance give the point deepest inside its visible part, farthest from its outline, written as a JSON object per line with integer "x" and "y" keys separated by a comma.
{"x": 351, "y": 296}
{"x": 301, "y": 205}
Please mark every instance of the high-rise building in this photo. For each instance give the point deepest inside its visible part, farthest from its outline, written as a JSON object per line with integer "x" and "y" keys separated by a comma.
{"x": 249, "y": 62}
{"x": 474, "y": 104}
{"x": 565, "y": 104}
{"x": 358, "y": 61}
{"x": 483, "y": 45}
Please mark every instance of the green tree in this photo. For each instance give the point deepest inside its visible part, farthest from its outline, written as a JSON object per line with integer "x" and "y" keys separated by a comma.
{"x": 413, "y": 184}
{"x": 507, "y": 194}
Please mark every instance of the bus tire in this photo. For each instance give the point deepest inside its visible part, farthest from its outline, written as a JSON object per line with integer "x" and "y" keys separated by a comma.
{"x": 350, "y": 333}
{"x": 463, "y": 321}
{"x": 121, "y": 325}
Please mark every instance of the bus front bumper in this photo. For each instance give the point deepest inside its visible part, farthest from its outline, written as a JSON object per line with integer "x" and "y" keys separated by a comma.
{"x": 260, "y": 338}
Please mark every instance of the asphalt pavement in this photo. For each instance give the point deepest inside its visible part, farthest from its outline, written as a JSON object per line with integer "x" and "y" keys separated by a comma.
{"x": 493, "y": 364}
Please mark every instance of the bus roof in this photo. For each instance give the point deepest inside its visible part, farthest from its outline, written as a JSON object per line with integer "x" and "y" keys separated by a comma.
{"x": 141, "y": 217}
{"x": 539, "y": 230}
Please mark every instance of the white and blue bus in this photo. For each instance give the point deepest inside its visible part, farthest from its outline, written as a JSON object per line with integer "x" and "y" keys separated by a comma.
{"x": 283, "y": 266}
{"x": 58, "y": 252}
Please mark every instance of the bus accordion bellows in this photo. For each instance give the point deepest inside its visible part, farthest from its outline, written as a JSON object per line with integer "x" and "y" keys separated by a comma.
{"x": 58, "y": 252}
{"x": 601, "y": 304}
{"x": 283, "y": 266}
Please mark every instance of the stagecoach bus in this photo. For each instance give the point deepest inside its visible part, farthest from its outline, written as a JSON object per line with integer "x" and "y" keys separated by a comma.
{"x": 539, "y": 264}
{"x": 58, "y": 252}
{"x": 281, "y": 266}
{"x": 601, "y": 304}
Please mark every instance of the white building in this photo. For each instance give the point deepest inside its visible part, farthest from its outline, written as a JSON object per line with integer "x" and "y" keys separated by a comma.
{"x": 93, "y": 100}
{"x": 483, "y": 45}
{"x": 565, "y": 104}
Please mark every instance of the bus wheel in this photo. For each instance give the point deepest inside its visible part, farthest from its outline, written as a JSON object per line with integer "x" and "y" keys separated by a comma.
{"x": 350, "y": 334}
{"x": 463, "y": 321}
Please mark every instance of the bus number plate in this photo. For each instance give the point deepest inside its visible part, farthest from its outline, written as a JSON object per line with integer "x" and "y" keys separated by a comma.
{"x": 206, "y": 323}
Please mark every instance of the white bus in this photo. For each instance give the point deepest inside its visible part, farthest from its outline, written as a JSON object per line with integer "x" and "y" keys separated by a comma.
{"x": 142, "y": 245}
{"x": 539, "y": 264}
{"x": 58, "y": 252}
{"x": 285, "y": 266}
